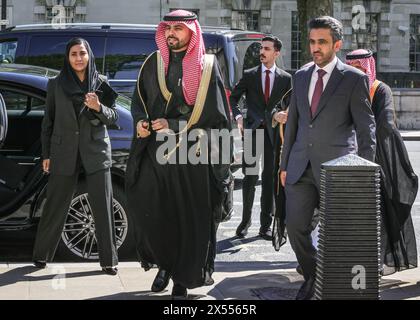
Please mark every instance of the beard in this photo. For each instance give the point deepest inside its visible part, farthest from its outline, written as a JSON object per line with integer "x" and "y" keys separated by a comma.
{"x": 174, "y": 43}
{"x": 322, "y": 59}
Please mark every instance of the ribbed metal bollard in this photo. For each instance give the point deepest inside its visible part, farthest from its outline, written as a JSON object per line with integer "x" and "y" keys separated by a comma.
{"x": 349, "y": 230}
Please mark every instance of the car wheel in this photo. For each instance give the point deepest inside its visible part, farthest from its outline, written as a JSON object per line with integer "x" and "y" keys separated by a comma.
{"x": 78, "y": 239}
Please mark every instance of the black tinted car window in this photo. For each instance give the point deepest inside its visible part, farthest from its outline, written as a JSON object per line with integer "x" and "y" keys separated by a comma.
{"x": 20, "y": 101}
{"x": 8, "y": 51}
{"x": 124, "y": 56}
{"x": 48, "y": 51}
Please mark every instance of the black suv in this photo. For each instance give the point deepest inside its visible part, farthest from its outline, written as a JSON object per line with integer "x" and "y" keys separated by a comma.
{"x": 120, "y": 49}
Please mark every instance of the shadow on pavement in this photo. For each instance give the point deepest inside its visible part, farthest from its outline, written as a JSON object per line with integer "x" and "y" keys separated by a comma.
{"x": 396, "y": 292}
{"x": 16, "y": 275}
{"x": 258, "y": 286}
{"x": 144, "y": 295}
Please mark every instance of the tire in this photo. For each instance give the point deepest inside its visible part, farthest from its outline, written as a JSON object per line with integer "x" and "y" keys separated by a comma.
{"x": 78, "y": 240}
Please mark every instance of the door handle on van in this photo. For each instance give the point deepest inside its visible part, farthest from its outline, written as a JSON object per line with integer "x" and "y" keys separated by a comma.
{"x": 114, "y": 126}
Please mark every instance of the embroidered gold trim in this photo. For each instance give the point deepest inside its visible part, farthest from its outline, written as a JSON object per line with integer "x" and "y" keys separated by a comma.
{"x": 161, "y": 77}
{"x": 274, "y": 122}
{"x": 138, "y": 85}
{"x": 200, "y": 100}
{"x": 373, "y": 89}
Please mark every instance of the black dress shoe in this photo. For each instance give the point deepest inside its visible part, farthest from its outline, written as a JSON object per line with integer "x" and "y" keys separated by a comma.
{"x": 179, "y": 292}
{"x": 267, "y": 234}
{"x": 110, "y": 270}
{"x": 161, "y": 281}
{"x": 208, "y": 281}
{"x": 307, "y": 290}
{"x": 40, "y": 264}
{"x": 242, "y": 230}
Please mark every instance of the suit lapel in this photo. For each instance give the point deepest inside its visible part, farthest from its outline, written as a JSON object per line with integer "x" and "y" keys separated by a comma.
{"x": 259, "y": 85}
{"x": 332, "y": 84}
{"x": 274, "y": 92}
{"x": 68, "y": 104}
{"x": 306, "y": 84}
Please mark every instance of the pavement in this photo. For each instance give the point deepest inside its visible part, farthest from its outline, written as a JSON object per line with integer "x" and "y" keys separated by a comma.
{"x": 410, "y": 135}
{"x": 233, "y": 281}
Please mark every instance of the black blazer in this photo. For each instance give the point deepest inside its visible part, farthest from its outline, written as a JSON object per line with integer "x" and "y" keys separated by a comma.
{"x": 344, "y": 109}
{"x": 258, "y": 111}
{"x": 65, "y": 134}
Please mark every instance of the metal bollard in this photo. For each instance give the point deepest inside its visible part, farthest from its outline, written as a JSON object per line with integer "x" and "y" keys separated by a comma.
{"x": 348, "y": 259}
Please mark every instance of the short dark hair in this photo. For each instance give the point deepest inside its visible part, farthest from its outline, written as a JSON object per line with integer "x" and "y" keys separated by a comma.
{"x": 327, "y": 22}
{"x": 276, "y": 42}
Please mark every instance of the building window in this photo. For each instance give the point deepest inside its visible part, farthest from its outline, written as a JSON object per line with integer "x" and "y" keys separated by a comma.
{"x": 196, "y": 11}
{"x": 296, "y": 51}
{"x": 246, "y": 20}
{"x": 367, "y": 38}
{"x": 415, "y": 42}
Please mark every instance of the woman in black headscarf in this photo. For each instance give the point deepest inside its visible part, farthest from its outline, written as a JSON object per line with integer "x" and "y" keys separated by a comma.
{"x": 79, "y": 106}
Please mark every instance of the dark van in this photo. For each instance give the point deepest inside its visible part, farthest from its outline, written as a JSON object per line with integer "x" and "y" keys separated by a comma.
{"x": 120, "y": 49}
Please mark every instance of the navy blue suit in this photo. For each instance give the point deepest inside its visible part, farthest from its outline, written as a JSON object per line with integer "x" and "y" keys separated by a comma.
{"x": 344, "y": 113}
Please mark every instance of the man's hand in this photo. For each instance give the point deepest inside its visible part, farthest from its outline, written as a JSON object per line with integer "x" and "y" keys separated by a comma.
{"x": 142, "y": 129}
{"x": 281, "y": 117}
{"x": 283, "y": 175}
{"x": 160, "y": 124}
{"x": 46, "y": 165}
{"x": 240, "y": 122}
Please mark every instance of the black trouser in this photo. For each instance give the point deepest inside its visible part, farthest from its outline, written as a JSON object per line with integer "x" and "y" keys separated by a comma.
{"x": 250, "y": 181}
{"x": 301, "y": 200}
{"x": 60, "y": 190}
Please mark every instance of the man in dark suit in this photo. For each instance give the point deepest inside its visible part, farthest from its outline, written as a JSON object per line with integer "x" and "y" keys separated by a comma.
{"x": 263, "y": 87}
{"x": 329, "y": 104}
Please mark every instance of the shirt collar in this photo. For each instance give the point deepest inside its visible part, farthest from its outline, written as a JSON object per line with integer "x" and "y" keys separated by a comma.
{"x": 329, "y": 67}
{"x": 272, "y": 69}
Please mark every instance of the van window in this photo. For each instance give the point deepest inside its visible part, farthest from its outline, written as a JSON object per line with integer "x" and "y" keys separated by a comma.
{"x": 47, "y": 51}
{"x": 243, "y": 55}
{"x": 124, "y": 56}
{"x": 8, "y": 51}
{"x": 20, "y": 101}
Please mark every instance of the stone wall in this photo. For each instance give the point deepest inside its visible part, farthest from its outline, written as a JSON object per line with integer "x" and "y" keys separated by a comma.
{"x": 407, "y": 104}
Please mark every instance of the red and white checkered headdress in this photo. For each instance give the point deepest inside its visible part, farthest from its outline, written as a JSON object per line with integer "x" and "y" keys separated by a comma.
{"x": 192, "y": 64}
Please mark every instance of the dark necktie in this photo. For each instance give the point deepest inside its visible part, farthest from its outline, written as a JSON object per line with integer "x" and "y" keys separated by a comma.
{"x": 267, "y": 86}
{"x": 319, "y": 87}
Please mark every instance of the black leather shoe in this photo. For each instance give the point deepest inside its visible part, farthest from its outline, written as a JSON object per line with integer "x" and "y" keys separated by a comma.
{"x": 110, "y": 270}
{"x": 307, "y": 290}
{"x": 267, "y": 234}
{"x": 242, "y": 230}
{"x": 40, "y": 264}
{"x": 179, "y": 292}
{"x": 161, "y": 281}
{"x": 208, "y": 281}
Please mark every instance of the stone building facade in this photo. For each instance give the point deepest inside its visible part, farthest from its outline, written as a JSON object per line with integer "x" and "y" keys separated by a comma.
{"x": 389, "y": 27}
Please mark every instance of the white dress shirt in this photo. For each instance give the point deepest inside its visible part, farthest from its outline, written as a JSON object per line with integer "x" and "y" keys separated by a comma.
{"x": 272, "y": 74}
{"x": 272, "y": 77}
{"x": 328, "y": 69}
